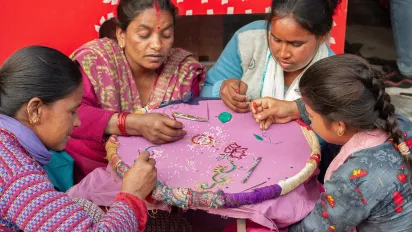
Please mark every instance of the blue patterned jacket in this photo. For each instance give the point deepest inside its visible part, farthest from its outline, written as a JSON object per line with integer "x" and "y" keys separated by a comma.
{"x": 370, "y": 191}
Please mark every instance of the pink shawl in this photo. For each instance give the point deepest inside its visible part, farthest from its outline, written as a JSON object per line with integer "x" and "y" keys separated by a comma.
{"x": 106, "y": 66}
{"x": 359, "y": 141}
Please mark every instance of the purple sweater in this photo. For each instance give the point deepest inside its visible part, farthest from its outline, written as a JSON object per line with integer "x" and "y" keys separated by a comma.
{"x": 29, "y": 202}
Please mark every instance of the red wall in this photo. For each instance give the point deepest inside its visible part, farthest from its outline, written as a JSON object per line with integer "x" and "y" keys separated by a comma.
{"x": 62, "y": 24}
{"x": 67, "y": 24}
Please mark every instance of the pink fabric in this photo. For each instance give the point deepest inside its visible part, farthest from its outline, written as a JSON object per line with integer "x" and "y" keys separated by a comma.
{"x": 359, "y": 141}
{"x": 113, "y": 83}
{"x": 102, "y": 185}
{"x": 186, "y": 169}
{"x": 86, "y": 143}
{"x": 321, "y": 188}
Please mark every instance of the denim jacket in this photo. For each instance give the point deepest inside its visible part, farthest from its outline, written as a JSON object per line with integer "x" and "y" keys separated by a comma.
{"x": 369, "y": 192}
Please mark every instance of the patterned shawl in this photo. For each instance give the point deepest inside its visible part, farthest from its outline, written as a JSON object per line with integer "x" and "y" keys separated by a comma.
{"x": 102, "y": 60}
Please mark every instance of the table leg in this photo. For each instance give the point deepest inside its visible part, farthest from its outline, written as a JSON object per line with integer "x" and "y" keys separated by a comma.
{"x": 241, "y": 225}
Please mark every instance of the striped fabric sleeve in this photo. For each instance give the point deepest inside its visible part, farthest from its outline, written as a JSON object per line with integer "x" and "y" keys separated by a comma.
{"x": 30, "y": 202}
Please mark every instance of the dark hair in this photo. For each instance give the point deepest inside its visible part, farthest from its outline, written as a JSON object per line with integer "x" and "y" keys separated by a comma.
{"x": 346, "y": 88}
{"x": 36, "y": 71}
{"x": 108, "y": 29}
{"x": 128, "y": 10}
{"x": 313, "y": 15}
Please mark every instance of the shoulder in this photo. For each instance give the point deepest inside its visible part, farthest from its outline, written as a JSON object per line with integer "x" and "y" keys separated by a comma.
{"x": 253, "y": 26}
{"x": 383, "y": 160}
{"x": 375, "y": 169}
{"x": 369, "y": 177}
{"x": 252, "y": 43}
{"x": 12, "y": 155}
{"x": 183, "y": 59}
{"x": 256, "y": 30}
{"x": 99, "y": 48}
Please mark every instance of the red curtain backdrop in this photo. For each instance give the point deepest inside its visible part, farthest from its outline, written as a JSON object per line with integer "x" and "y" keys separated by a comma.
{"x": 67, "y": 24}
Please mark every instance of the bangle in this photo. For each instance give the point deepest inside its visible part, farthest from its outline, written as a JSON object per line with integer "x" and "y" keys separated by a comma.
{"x": 121, "y": 123}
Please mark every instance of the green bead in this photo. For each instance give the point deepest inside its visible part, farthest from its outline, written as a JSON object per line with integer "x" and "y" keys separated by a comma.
{"x": 225, "y": 117}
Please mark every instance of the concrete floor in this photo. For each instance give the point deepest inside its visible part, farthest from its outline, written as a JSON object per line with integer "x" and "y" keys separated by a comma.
{"x": 378, "y": 42}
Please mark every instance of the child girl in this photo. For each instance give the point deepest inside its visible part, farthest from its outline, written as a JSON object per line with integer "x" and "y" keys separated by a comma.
{"x": 367, "y": 185}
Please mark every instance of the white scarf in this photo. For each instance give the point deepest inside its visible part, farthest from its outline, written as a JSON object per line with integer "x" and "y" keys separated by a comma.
{"x": 274, "y": 81}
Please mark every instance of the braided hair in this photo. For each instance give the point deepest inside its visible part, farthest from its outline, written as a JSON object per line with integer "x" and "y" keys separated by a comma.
{"x": 346, "y": 88}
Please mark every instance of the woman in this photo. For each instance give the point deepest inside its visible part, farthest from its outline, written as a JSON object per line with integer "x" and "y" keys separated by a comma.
{"x": 267, "y": 59}
{"x": 40, "y": 91}
{"x": 368, "y": 184}
{"x": 137, "y": 73}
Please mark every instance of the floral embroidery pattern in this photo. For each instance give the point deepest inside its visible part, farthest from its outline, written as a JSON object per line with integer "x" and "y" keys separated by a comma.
{"x": 324, "y": 213}
{"x": 357, "y": 190}
{"x": 354, "y": 178}
{"x": 401, "y": 176}
{"x": 234, "y": 151}
{"x": 218, "y": 172}
{"x": 398, "y": 199}
{"x": 330, "y": 200}
{"x": 358, "y": 173}
{"x": 203, "y": 140}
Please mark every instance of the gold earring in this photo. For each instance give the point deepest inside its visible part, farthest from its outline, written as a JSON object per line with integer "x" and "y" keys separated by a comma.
{"x": 122, "y": 47}
{"x": 341, "y": 132}
{"x": 35, "y": 121}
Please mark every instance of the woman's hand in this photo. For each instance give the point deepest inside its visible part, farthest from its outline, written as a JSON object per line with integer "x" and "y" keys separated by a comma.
{"x": 156, "y": 128}
{"x": 233, "y": 93}
{"x": 269, "y": 110}
{"x": 141, "y": 178}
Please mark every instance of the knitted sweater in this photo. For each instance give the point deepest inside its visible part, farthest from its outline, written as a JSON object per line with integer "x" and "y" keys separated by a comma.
{"x": 29, "y": 202}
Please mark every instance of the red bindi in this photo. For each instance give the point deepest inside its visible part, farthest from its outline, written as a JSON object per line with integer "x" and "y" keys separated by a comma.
{"x": 157, "y": 13}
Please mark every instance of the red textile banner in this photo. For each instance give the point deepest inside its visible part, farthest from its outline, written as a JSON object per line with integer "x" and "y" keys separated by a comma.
{"x": 67, "y": 24}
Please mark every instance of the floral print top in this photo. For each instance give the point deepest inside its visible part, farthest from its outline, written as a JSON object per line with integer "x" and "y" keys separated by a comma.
{"x": 369, "y": 192}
